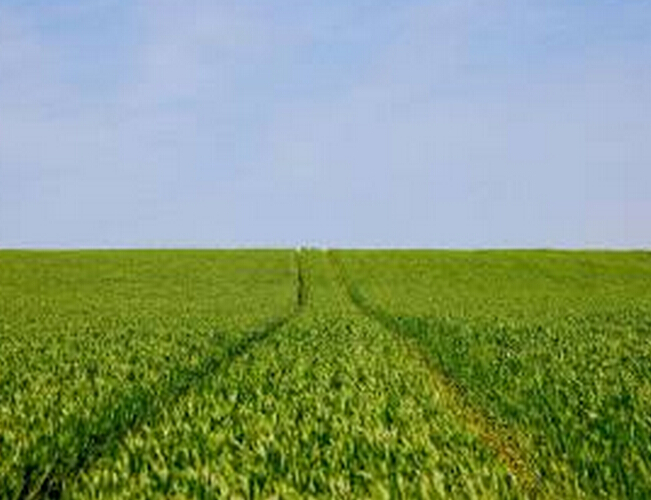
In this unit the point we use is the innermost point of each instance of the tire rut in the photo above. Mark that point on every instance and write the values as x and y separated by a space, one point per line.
53 462
496 437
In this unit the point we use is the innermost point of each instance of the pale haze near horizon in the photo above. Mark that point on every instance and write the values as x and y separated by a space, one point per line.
339 124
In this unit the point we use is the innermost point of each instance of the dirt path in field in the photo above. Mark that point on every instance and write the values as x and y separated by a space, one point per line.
502 441
51 466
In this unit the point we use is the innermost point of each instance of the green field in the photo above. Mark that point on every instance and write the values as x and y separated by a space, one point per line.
382 374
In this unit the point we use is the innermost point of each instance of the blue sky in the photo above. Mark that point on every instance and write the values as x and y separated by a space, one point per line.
449 123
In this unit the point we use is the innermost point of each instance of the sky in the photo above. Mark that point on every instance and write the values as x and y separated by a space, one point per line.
384 123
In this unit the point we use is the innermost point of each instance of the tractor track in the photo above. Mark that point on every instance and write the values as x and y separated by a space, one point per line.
92 437
496 437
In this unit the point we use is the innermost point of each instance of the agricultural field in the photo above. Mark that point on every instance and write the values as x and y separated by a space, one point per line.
340 374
